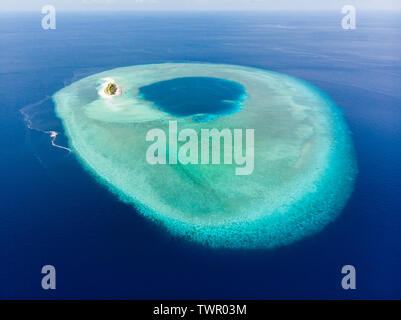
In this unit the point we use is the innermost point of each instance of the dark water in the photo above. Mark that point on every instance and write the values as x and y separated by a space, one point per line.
195 95
53 212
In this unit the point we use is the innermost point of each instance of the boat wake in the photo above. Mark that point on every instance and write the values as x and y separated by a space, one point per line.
38 117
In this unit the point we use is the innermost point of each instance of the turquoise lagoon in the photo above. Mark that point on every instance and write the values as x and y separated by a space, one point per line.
304 161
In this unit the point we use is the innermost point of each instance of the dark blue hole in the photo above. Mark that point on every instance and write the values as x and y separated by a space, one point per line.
204 97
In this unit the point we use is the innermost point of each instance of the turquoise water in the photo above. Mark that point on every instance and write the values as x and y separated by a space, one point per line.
202 96
304 165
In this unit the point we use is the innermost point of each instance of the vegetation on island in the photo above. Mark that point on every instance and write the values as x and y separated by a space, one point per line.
111 89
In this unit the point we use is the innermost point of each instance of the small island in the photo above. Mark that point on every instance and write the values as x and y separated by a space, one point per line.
110 89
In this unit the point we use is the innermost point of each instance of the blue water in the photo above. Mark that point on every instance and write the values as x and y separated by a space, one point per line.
53 212
195 95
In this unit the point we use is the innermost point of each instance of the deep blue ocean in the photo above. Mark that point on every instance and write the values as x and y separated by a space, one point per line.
53 212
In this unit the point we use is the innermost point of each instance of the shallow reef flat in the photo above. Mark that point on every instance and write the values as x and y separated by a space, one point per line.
304 164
